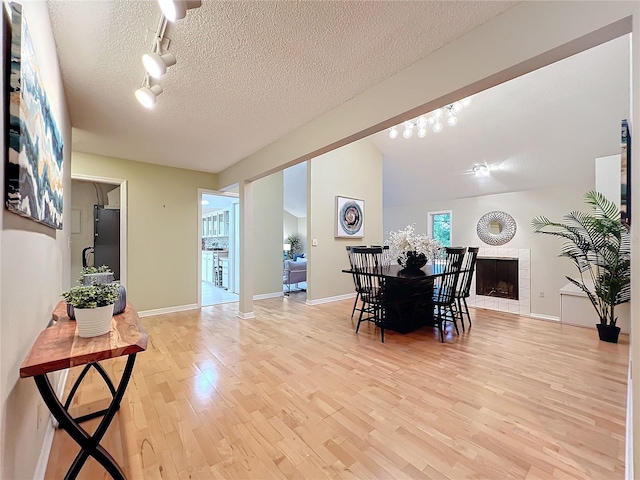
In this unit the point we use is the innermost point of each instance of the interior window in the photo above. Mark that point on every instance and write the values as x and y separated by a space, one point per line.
439 227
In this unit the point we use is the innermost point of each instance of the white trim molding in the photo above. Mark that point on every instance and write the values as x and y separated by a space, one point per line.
162 311
264 296
628 464
541 316
337 298
52 424
124 208
246 316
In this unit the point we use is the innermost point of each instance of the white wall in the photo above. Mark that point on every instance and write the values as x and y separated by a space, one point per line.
289 225
302 231
547 270
34 271
355 171
267 235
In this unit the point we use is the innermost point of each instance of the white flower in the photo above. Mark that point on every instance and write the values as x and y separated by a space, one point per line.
402 241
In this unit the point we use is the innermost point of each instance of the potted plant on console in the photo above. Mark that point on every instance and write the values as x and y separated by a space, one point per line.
93 307
599 245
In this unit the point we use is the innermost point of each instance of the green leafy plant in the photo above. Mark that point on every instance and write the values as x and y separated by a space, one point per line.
92 270
295 242
600 247
92 296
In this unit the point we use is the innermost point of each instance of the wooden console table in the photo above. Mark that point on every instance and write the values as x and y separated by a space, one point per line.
59 347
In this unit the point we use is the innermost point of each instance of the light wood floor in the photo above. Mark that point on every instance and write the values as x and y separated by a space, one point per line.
295 393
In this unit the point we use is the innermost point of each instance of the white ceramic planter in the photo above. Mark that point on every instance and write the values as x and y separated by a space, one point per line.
93 322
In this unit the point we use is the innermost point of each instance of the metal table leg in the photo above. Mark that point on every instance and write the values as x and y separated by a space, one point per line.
89 444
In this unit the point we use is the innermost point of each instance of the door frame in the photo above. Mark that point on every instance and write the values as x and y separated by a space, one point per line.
206 191
123 216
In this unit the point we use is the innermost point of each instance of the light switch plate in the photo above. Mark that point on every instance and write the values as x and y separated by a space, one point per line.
314 242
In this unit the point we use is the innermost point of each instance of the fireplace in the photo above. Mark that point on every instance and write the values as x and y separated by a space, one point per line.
497 277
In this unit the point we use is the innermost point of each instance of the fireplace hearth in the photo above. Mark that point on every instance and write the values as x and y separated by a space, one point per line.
497 277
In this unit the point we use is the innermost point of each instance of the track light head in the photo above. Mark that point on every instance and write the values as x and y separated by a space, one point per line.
177 9
156 65
147 95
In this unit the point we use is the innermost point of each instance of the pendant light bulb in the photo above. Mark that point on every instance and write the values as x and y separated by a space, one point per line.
156 65
437 128
177 9
422 132
147 95
452 121
393 133
407 132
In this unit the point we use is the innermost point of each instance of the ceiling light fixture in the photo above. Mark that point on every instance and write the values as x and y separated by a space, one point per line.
177 9
434 119
147 95
156 62
156 65
480 170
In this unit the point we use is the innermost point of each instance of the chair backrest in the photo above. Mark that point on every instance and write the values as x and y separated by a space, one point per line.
364 261
466 275
446 283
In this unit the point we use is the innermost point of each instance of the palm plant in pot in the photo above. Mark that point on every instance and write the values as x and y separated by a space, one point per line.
599 245
93 307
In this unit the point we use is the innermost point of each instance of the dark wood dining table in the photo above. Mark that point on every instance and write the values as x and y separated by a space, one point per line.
407 295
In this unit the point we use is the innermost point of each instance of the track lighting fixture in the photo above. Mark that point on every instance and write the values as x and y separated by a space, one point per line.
177 9
156 62
434 119
147 95
156 65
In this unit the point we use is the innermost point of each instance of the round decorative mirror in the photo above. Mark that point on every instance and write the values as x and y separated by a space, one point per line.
496 228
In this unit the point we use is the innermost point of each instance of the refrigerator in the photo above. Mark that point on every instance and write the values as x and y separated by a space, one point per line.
106 241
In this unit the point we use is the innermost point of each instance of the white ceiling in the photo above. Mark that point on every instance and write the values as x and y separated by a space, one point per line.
248 72
540 130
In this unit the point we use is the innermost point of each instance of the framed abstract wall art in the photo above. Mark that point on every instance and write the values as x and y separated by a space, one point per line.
349 217
625 174
34 166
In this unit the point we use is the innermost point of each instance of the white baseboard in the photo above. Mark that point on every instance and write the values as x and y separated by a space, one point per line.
544 317
264 296
162 311
628 464
246 316
337 298
47 442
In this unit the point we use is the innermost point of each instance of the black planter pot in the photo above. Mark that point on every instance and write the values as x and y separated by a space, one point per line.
415 261
608 333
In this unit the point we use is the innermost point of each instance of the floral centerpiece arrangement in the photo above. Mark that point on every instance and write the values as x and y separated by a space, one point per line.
412 249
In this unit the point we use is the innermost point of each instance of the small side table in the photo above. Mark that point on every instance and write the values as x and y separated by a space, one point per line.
57 348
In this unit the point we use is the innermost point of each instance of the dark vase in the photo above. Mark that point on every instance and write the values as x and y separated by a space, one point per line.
608 333
415 261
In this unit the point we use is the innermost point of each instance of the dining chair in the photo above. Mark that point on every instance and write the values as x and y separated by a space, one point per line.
464 284
355 282
444 289
370 285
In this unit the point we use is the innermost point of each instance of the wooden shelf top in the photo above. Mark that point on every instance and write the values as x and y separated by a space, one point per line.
59 347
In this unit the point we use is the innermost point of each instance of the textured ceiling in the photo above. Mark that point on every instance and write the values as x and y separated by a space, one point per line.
540 130
248 72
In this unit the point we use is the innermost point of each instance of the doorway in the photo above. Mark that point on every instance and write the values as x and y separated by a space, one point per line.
218 234
98 225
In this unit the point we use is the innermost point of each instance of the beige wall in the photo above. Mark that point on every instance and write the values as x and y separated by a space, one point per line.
351 171
267 230
302 231
289 225
34 271
162 248
547 270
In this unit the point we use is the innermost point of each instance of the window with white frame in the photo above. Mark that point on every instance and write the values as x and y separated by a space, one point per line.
439 226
